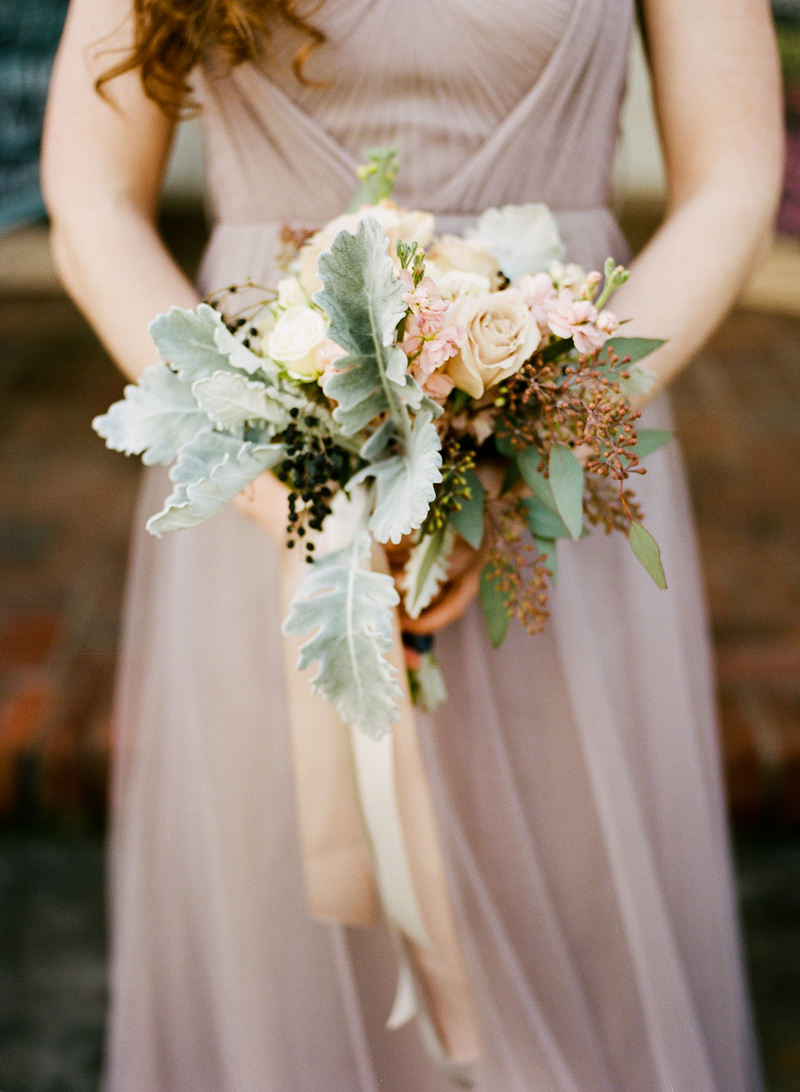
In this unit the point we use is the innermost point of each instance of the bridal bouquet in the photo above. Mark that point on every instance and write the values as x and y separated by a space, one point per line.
389 381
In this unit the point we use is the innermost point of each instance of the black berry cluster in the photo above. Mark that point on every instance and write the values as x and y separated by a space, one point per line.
312 463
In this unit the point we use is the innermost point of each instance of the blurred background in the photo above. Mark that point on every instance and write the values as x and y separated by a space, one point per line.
66 506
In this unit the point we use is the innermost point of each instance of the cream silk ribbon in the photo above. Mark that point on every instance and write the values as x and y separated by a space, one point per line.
369 838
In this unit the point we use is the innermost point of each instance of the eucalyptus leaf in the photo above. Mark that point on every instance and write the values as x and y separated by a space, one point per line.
211 470
510 478
231 399
468 520
504 447
364 300
547 548
539 485
157 416
650 440
637 348
647 551
494 607
426 570
405 483
544 523
566 483
350 608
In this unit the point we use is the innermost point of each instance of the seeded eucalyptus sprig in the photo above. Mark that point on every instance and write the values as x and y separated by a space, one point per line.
453 489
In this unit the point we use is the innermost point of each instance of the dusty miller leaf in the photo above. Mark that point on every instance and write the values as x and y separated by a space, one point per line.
197 343
350 608
405 483
426 570
209 473
230 399
364 300
155 418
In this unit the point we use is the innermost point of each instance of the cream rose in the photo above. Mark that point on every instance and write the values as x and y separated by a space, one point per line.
451 252
296 335
409 225
501 336
455 282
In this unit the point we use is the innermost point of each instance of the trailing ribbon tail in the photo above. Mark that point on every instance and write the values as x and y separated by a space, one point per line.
368 837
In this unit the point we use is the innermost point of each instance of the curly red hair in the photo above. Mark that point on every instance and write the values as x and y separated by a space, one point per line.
171 37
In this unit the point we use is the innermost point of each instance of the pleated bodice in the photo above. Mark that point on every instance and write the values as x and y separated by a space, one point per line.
488 102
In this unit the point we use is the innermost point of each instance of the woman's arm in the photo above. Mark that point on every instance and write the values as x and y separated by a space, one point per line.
102 167
718 97
716 82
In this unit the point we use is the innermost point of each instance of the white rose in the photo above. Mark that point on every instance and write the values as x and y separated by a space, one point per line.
523 238
291 294
501 336
298 331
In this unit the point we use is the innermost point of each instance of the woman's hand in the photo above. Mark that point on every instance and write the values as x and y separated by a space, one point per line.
265 500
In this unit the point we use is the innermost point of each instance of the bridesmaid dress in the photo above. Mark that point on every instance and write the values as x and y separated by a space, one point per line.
575 775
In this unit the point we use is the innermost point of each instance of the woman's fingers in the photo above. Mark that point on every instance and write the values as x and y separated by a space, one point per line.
265 501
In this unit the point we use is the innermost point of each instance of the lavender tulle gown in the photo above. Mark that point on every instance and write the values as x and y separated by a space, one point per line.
575 775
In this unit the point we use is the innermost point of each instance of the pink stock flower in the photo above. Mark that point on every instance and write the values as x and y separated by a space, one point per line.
536 290
327 353
568 317
437 350
437 385
430 349
424 296
608 322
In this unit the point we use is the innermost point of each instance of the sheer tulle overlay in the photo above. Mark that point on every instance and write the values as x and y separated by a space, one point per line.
575 775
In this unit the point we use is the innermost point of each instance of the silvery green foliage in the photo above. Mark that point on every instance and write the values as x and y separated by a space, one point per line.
230 399
364 300
155 418
405 483
211 470
524 238
198 343
350 608
417 598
